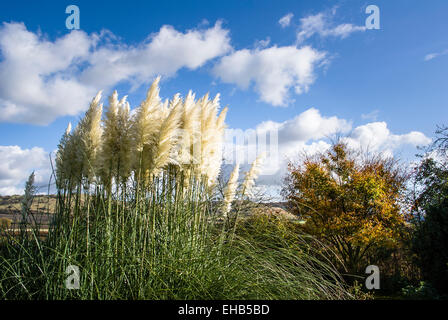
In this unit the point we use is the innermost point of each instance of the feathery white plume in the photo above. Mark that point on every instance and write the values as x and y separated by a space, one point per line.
229 192
252 175
69 129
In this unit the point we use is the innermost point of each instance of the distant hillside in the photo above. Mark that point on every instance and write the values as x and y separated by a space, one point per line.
12 204
10 208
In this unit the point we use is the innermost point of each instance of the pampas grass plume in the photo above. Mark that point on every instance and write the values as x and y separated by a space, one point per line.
230 191
252 175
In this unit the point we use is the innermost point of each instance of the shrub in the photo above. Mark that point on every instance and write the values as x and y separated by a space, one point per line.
423 290
5 223
430 207
348 200
431 246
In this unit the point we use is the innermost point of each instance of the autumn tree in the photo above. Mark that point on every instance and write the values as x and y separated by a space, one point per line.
430 209
348 199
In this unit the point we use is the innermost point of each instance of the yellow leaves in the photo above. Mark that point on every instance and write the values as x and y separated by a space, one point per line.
344 194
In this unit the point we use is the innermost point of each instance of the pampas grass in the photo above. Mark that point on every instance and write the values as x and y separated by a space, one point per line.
115 154
230 190
187 134
251 176
89 133
63 165
165 139
136 213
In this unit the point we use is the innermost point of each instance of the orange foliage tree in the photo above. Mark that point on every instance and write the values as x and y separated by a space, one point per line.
348 199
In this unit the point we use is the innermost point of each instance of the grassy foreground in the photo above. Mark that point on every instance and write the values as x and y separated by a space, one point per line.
168 245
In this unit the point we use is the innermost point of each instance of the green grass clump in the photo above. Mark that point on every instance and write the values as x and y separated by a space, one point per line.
161 242
137 212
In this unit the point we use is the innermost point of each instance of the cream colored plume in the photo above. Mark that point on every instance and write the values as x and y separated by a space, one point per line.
184 133
146 115
125 151
145 127
89 132
116 150
230 190
64 164
69 129
189 133
216 145
212 134
109 146
165 138
252 175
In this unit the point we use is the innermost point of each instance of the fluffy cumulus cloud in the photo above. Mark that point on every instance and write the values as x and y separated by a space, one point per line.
307 132
322 25
37 80
309 125
41 79
16 164
310 132
376 136
273 71
162 53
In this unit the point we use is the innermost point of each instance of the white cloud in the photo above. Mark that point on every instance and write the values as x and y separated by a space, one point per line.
376 136
163 53
434 55
309 132
285 20
282 138
41 79
322 25
309 125
273 71
37 81
16 164
306 132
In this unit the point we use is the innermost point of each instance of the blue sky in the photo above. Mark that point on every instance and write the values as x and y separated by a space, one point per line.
387 85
